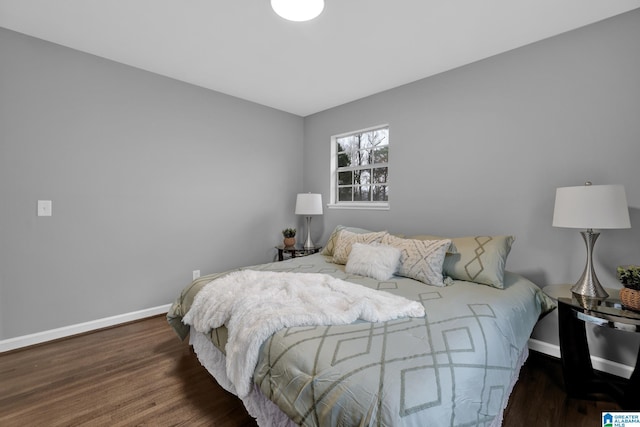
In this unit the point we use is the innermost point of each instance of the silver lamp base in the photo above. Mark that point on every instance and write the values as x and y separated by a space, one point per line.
588 285
308 244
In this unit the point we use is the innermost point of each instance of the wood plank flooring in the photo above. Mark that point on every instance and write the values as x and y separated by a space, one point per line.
142 374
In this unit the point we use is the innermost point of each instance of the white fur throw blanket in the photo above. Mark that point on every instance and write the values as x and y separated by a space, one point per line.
255 304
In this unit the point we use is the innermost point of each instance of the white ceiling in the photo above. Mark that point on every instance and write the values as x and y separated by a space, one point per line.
354 49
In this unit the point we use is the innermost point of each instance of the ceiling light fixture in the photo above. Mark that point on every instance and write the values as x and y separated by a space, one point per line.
298 10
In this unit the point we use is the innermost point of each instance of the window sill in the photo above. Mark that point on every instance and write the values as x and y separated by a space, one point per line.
360 206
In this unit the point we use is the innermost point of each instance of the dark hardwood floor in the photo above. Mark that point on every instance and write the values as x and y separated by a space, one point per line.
538 399
142 374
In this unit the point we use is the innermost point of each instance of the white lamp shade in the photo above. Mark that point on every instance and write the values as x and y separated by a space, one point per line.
591 207
298 10
309 204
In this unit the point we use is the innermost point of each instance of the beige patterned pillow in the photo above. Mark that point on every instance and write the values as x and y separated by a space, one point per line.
420 259
345 239
450 250
331 243
479 259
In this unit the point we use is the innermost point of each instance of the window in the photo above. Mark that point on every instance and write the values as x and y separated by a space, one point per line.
360 165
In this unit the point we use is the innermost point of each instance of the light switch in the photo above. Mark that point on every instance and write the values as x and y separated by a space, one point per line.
44 208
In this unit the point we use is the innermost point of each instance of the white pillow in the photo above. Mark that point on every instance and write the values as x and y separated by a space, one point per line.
420 259
376 260
346 239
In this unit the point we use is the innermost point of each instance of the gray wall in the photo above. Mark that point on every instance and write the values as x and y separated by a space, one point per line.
150 179
481 150
140 170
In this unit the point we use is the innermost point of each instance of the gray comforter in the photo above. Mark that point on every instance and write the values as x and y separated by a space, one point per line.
454 367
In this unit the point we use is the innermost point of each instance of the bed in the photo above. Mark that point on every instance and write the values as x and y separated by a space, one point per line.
453 366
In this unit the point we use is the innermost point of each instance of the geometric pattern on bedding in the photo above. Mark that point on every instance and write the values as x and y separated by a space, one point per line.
453 367
362 356
364 352
448 352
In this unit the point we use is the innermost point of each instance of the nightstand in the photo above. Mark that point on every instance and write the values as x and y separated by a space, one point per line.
580 379
295 252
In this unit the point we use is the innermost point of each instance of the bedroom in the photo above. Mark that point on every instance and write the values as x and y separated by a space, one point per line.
137 166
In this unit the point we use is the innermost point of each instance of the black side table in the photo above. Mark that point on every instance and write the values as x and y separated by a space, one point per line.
295 252
581 380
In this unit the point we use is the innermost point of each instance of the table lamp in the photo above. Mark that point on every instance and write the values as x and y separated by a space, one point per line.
309 204
591 207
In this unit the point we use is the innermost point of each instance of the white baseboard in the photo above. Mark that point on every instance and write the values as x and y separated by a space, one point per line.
553 350
67 331
598 363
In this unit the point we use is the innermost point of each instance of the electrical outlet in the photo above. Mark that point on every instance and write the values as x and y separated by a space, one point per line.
44 208
196 274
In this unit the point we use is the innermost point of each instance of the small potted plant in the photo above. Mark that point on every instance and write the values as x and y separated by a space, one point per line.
289 236
629 276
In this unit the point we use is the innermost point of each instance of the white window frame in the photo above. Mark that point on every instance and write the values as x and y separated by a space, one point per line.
334 203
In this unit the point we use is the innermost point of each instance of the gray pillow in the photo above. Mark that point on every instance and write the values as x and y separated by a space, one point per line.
479 259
